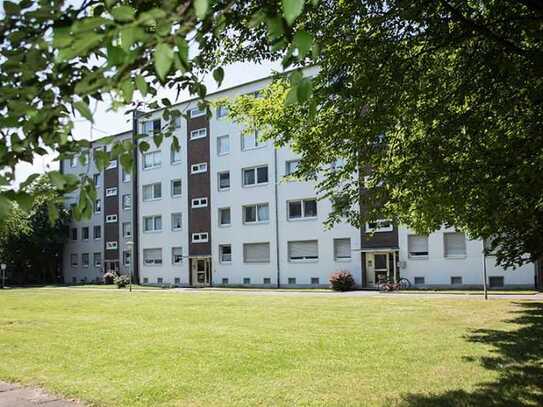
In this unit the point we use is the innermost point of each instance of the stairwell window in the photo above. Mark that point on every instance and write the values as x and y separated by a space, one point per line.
417 246
196 112
111 191
257 213
198 168
125 176
197 134
342 249
113 245
152 192
127 229
85 233
97 260
225 253
97 180
152 160
303 251
302 209
152 257
98 206
199 202
126 257
255 176
381 225
111 218
256 252
201 237
455 244
127 202
152 223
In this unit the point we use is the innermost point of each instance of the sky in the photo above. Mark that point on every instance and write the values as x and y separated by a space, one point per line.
107 122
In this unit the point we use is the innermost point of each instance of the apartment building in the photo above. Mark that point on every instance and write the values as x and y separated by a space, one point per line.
220 212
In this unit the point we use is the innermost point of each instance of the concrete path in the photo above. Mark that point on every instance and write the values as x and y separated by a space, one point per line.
12 395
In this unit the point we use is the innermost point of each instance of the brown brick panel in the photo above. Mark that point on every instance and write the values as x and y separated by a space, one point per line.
111 207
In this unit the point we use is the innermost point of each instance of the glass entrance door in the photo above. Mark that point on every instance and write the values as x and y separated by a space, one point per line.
201 272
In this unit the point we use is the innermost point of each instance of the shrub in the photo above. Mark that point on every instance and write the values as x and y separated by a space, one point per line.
109 277
122 281
342 281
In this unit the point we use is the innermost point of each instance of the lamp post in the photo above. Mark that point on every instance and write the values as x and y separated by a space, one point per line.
130 244
3 266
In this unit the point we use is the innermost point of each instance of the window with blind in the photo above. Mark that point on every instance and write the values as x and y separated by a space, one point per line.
455 244
303 250
256 252
342 249
417 246
152 256
177 255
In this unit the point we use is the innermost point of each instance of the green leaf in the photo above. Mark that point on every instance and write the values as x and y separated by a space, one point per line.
24 200
5 207
141 84
292 96
127 89
304 90
157 138
57 179
84 110
144 146
163 59
303 41
123 13
292 9
200 8
218 75
11 8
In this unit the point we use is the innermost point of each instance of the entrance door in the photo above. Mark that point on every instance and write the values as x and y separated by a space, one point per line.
112 266
377 266
201 272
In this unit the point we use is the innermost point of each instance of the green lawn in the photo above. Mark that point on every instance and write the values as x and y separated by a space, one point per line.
114 348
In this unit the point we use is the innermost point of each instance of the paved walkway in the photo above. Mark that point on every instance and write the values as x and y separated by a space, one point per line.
12 395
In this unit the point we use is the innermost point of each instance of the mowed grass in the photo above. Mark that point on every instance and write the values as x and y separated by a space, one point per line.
113 348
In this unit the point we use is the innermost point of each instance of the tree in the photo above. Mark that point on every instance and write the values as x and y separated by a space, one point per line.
57 59
435 108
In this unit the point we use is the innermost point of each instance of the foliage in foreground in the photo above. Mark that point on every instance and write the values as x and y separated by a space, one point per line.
342 281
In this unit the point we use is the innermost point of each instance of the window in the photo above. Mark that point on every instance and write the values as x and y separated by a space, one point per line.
152 257
496 282
307 250
291 280
176 188
152 223
198 168
176 221
225 281
97 180
315 281
111 218
201 237
98 206
151 160
342 249
177 255
417 246
97 260
419 281
127 202
73 260
74 234
303 208
126 257
381 225
199 202
225 253
125 176
291 166
256 252
112 164
73 161
224 217
223 145
255 176
152 192
267 280
127 229
177 281
97 231
196 112
85 233
222 111
111 191
456 280
224 180
258 213
246 280
199 133
111 245
455 244
145 280
147 127
249 141
175 155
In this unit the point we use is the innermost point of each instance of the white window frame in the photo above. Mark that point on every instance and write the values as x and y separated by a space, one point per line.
222 260
196 112
379 229
342 259
417 256
94 232
256 206
112 164
87 228
219 180
154 219
125 176
201 237
97 180
173 155
174 255
198 133
305 259
222 111
255 169
112 191
224 225
111 218
198 168
152 186
88 260
199 202
154 262
98 208
73 161
302 203
99 264
172 188
223 137
125 258
265 261
257 144
175 229
288 170
72 257
155 164
123 229
454 256
112 245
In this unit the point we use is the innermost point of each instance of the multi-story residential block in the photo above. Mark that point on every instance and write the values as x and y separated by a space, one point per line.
220 212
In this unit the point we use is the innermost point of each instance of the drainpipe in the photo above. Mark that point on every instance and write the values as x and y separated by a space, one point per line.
135 207
276 216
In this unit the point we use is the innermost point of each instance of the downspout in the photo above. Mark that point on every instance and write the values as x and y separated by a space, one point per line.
276 216
135 206
360 229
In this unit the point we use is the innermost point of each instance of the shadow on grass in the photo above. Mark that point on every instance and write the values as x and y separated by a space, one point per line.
518 360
